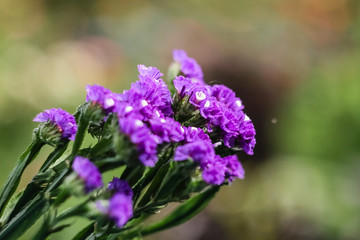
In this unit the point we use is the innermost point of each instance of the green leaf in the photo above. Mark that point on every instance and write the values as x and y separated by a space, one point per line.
179 171
83 123
14 178
155 185
56 154
83 234
184 212
132 174
25 219
37 185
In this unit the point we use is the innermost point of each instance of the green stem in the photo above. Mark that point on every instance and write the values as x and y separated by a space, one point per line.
50 226
82 126
14 178
25 219
149 176
56 154
184 212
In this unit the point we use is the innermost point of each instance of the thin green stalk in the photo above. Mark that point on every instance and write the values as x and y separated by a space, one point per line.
14 178
56 154
51 225
82 126
184 212
25 219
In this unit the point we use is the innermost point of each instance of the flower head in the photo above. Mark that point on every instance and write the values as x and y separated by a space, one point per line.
200 151
139 134
88 172
149 96
167 129
234 169
120 186
120 206
149 72
64 121
247 136
99 95
189 67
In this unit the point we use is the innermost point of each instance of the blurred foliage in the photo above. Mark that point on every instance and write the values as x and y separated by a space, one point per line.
294 63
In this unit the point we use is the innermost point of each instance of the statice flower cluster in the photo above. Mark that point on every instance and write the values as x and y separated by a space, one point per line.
146 116
161 145
62 120
200 149
120 206
88 172
222 110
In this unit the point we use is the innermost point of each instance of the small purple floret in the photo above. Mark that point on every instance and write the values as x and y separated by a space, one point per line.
99 95
149 72
234 169
64 121
88 172
120 208
189 66
120 186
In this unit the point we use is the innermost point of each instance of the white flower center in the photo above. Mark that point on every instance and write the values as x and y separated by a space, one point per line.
128 109
144 103
207 104
139 123
200 96
217 144
182 130
109 102
157 113
246 118
238 103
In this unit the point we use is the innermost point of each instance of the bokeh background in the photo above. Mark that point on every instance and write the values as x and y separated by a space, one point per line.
294 63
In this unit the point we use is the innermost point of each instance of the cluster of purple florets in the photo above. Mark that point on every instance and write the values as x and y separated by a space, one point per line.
222 110
120 206
146 115
64 121
88 172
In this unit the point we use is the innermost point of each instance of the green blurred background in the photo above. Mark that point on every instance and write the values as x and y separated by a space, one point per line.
294 63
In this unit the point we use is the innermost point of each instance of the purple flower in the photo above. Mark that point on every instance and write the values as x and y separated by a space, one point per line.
149 72
193 134
149 96
234 169
120 208
212 110
88 172
247 136
223 111
214 171
142 137
229 122
197 92
120 186
167 129
183 85
200 151
189 67
217 170
102 96
199 95
64 121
